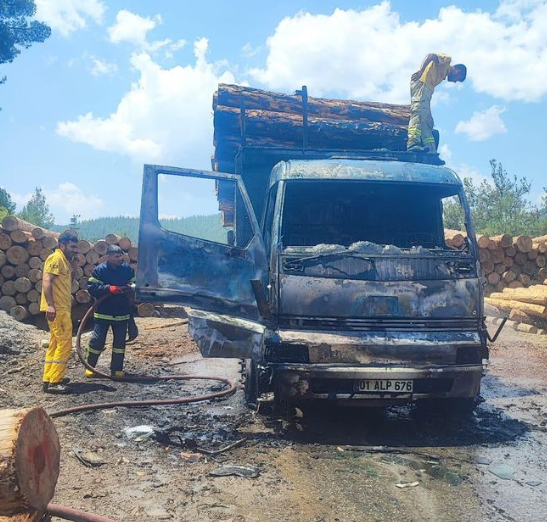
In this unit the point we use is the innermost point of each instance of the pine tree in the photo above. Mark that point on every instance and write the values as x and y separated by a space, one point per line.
36 211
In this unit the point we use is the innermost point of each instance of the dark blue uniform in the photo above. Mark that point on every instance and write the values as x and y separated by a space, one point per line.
114 312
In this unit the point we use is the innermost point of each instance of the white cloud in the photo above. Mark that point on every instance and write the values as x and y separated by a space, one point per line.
445 152
248 51
371 53
68 16
102 68
132 28
164 118
483 125
68 199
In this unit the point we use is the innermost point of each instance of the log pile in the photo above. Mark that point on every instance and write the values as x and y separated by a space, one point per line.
507 262
23 251
247 116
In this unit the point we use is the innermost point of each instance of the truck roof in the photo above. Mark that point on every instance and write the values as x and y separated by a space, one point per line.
363 169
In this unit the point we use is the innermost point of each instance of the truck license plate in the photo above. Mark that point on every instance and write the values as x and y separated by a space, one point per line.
384 386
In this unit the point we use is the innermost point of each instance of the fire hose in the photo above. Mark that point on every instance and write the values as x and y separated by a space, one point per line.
80 516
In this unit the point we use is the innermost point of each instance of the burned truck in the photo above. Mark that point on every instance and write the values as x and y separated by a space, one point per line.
334 281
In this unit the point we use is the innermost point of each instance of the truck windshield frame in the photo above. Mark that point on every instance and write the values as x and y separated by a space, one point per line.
319 215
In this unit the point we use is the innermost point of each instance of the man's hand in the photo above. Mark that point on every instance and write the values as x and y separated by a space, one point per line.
51 313
119 289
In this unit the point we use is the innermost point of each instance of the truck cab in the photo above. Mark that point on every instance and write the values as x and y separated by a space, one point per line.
335 282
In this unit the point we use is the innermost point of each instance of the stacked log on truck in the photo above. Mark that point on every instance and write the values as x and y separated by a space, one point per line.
24 248
253 117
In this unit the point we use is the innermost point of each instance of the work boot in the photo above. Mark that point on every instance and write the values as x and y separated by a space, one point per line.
91 375
417 148
118 374
59 389
45 385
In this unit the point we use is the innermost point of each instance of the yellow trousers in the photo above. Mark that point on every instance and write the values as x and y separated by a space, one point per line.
60 345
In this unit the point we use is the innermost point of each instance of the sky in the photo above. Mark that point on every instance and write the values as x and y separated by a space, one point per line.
122 83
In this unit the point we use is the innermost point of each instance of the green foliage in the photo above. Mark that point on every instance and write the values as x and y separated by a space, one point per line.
205 227
17 30
3 213
36 211
500 206
6 202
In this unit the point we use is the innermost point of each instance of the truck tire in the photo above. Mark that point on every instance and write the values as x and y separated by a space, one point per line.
251 383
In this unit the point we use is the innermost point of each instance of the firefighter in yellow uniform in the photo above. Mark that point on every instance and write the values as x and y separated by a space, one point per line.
56 302
434 69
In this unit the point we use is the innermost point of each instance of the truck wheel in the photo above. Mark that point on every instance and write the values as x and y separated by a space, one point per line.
251 383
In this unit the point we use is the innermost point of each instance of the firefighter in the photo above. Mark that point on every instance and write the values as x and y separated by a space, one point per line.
434 69
112 278
56 302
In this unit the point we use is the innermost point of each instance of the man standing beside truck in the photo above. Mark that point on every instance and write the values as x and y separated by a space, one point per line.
435 68
112 281
56 302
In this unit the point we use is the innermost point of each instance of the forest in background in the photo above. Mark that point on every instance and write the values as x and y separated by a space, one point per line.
205 227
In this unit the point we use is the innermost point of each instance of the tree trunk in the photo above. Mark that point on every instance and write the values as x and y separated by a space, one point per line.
503 240
83 246
112 239
8 271
34 275
100 247
49 242
236 95
22 284
508 305
523 244
125 243
22 270
17 255
5 241
83 296
7 302
483 240
146 310
20 237
19 313
34 247
29 461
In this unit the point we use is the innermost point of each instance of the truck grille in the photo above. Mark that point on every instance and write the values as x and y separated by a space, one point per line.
379 324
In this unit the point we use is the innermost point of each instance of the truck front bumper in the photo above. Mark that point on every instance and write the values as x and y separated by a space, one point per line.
301 382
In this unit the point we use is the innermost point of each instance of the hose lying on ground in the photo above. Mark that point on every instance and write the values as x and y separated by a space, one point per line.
232 387
75 515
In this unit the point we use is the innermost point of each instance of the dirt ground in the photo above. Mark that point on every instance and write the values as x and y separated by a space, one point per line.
326 465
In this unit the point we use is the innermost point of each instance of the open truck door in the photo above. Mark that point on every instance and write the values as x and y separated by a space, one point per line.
221 281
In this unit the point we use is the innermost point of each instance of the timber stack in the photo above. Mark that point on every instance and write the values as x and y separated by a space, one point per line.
24 248
244 116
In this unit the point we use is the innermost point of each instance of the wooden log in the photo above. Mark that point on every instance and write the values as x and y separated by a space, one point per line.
125 243
499 268
530 268
492 245
50 243
45 253
503 240
7 302
17 255
88 269
508 295
523 244
20 237
92 257
82 282
8 271
541 261
22 270
484 255
542 274
456 237
21 299
78 273
80 260
11 223
38 286
497 255
133 254
33 296
532 255
236 95
8 288
527 328
508 262
515 284
35 262
34 275
83 247
508 305
100 247
112 239
510 251
540 247
23 284
5 241
487 267
524 279
75 286
483 240
146 310
34 308
493 278
509 276
29 464
2 258
34 248
83 296
322 133
2 280
520 258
